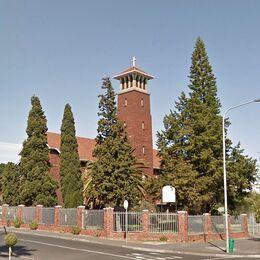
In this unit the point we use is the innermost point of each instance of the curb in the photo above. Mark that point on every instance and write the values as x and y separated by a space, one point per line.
189 253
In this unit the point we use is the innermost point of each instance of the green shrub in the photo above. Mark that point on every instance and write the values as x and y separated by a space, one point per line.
163 238
33 225
75 230
10 239
18 222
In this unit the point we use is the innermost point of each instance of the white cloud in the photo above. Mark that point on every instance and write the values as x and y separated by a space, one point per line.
9 152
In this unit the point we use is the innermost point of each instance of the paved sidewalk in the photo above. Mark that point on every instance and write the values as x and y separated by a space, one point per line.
249 248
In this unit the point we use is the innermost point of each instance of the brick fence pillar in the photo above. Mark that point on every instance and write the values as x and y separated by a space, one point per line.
244 224
80 216
183 225
207 223
38 213
57 215
108 221
145 222
20 212
5 212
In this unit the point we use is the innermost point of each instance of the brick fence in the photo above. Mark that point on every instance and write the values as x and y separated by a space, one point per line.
186 228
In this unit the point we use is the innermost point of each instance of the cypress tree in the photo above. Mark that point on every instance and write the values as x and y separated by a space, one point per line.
37 186
115 176
10 184
71 182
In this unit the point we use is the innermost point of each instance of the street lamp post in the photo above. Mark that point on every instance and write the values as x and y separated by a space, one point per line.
224 167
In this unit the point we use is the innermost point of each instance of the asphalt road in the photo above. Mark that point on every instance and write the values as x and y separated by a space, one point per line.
33 247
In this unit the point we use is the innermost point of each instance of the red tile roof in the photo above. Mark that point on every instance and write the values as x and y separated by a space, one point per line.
86 147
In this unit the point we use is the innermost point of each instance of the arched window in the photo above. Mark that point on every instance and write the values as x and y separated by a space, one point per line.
142 102
143 125
125 102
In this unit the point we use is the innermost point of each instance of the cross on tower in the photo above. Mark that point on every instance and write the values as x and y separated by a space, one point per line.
134 60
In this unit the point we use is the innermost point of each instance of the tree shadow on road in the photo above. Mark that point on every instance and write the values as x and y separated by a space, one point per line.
18 250
254 238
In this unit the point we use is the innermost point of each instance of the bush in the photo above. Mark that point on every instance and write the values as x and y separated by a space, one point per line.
10 239
163 238
18 222
33 225
75 230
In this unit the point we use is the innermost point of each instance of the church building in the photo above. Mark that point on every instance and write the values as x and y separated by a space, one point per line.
134 111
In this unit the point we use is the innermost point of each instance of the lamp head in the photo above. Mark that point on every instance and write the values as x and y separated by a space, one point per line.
257 100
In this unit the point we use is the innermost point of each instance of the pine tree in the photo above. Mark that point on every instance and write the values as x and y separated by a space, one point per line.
192 136
205 147
71 182
190 147
37 186
10 184
115 176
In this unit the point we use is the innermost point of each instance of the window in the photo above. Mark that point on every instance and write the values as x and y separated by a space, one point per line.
143 125
143 150
125 102
142 102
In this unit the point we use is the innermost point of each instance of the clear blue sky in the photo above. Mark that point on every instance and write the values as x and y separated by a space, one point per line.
59 50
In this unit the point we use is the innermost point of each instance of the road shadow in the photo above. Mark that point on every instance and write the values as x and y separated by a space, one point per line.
254 239
17 250
216 246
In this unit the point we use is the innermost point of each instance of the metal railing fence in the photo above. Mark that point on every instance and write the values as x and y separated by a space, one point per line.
11 213
196 224
235 224
29 214
253 225
47 216
218 224
68 217
94 219
163 223
134 221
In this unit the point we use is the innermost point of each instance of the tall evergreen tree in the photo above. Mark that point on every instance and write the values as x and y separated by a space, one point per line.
37 186
115 176
10 184
71 182
192 137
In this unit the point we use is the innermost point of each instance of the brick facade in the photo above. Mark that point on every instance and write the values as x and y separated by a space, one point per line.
134 111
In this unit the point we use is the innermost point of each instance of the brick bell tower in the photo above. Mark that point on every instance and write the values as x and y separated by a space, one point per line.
134 111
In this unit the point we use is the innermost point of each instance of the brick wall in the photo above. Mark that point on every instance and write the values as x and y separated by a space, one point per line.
107 231
134 110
